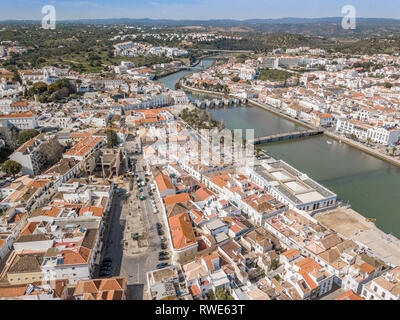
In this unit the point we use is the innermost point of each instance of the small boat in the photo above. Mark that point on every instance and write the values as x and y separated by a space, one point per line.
329 142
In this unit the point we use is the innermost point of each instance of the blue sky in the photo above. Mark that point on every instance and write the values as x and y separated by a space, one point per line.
196 9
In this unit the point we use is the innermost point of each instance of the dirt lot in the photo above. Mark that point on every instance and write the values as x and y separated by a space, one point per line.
343 221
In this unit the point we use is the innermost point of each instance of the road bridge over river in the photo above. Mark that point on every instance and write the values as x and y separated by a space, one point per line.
285 136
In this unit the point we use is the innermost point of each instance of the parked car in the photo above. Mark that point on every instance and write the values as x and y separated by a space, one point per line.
163 246
161 258
107 260
105 273
162 265
160 232
163 253
159 225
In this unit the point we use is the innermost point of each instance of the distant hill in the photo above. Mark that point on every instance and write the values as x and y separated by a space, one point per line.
217 22
329 27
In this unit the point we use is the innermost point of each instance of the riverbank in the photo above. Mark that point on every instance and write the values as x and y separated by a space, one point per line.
166 73
363 148
332 135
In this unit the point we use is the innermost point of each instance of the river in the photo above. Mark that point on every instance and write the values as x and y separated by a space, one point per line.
371 186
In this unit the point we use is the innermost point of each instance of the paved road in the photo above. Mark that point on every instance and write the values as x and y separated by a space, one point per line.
134 268
114 239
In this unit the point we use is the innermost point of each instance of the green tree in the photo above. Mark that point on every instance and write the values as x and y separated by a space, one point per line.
222 294
17 76
26 135
388 85
274 264
11 167
68 144
211 295
112 140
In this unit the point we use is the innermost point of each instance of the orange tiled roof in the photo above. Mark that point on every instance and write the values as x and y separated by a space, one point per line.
39 183
84 146
308 265
164 182
204 194
82 134
97 211
17 115
177 198
182 232
290 253
194 290
20 104
76 256
29 228
221 180
53 212
101 289
367 268
235 228
349 295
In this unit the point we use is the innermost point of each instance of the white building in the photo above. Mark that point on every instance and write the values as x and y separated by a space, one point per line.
385 287
21 120
291 187
376 134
